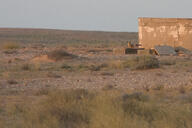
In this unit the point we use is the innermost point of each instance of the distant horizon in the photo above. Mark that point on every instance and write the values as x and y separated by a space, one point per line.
88 15
66 29
91 30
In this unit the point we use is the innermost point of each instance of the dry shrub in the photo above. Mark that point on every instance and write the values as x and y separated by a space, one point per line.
135 63
67 67
142 62
107 74
182 89
159 87
97 67
91 67
108 87
42 91
58 55
146 88
53 75
12 81
26 67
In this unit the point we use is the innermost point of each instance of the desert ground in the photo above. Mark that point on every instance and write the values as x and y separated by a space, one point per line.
36 63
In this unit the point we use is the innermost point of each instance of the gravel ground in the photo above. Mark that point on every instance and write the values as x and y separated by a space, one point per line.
123 79
169 78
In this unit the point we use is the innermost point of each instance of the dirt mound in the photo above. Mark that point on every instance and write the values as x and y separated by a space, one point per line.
43 58
54 56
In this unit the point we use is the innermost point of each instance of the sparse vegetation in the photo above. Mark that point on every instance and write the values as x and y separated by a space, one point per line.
40 89
136 63
89 109
10 45
143 62
168 62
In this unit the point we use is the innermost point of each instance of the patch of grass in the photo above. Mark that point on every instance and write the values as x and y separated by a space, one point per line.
167 62
116 64
10 45
10 51
142 62
136 63
68 109
42 91
82 67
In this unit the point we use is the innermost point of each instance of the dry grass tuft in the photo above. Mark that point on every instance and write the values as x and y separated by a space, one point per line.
89 109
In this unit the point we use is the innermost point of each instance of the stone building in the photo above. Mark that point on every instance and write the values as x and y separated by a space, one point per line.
165 31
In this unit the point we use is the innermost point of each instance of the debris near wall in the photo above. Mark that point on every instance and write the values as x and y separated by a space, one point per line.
181 51
164 50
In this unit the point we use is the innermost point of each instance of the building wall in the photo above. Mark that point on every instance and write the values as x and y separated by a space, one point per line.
165 31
